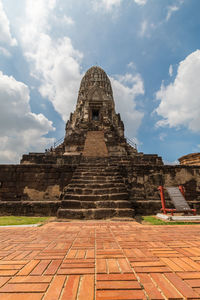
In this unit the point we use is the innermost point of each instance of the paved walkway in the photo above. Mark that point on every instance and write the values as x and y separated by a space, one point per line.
100 260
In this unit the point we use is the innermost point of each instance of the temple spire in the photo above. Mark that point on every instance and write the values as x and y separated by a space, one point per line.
95 111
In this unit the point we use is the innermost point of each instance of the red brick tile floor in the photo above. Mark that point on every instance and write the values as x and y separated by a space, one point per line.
100 260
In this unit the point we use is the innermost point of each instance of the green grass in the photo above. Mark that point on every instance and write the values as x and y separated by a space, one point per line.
154 221
21 220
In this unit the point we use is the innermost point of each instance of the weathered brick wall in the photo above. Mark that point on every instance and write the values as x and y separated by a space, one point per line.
143 182
32 188
35 189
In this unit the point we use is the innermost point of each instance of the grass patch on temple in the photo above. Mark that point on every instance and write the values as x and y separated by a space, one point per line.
21 220
151 220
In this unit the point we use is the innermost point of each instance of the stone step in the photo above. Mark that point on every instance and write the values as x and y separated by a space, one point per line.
95 145
117 196
99 169
101 191
100 213
94 165
96 191
96 181
69 204
95 185
95 162
97 177
95 173
105 160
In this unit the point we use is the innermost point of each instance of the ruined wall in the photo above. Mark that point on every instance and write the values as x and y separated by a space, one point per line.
35 189
32 189
143 182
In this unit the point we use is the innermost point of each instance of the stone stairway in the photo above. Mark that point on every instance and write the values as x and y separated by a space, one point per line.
96 191
95 145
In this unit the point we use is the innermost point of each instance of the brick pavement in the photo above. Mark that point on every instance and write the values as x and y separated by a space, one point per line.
100 260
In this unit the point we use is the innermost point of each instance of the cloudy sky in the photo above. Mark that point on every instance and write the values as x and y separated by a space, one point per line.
148 48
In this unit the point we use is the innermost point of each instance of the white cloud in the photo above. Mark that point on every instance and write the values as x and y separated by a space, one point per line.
110 4
67 20
106 4
5 34
20 129
171 10
54 62
4 51
162 136
140 2
171 163
143 28
170 70
62 20
180 100
131 65
125 90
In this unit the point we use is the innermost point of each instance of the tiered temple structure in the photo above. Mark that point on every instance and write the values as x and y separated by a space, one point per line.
95 118
94 173
192 159
94 129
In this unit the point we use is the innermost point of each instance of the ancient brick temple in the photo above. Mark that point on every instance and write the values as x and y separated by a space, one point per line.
94 129
94 173
192 159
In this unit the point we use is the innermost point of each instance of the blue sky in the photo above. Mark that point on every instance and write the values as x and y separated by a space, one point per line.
148 48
